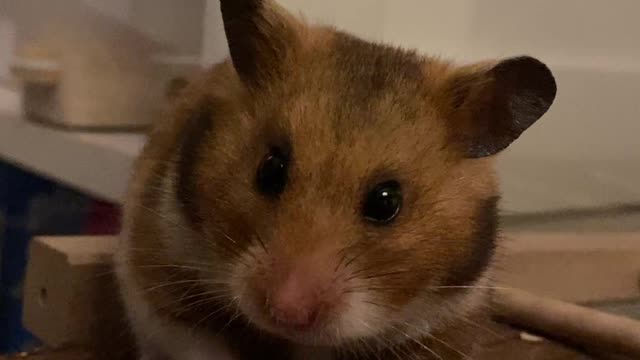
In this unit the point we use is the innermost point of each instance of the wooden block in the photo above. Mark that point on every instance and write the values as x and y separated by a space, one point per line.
575 267
583 327
68 284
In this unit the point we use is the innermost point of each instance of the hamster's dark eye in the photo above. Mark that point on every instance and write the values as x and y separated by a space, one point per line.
272 173
382 204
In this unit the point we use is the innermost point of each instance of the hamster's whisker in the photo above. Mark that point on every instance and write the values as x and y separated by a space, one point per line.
204 267
182 227
358 255
180 282
400 257
230 245
161 261
350 350
422 290
234 252
161 254
435 338
177 308
163 217
148 250
343 255
372 268
365 288
202 302
203 293
481 327
237 249
386 306
236 315
212 314
261 242
389 345
417 342
215 245
387 274
368 347
187 291
469 287
174 266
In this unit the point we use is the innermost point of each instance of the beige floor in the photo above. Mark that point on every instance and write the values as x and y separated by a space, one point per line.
615 219
605 220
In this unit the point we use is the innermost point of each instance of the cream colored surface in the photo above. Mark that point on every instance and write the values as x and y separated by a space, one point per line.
98 164
583 268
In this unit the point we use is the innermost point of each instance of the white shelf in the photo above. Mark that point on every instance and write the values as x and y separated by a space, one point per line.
98 164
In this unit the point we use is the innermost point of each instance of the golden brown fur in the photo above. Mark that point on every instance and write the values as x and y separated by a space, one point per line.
205 249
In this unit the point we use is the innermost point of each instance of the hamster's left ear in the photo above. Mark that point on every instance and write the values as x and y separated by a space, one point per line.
261 35
488 107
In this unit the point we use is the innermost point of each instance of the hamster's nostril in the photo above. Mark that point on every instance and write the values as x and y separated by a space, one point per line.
294 304
295 317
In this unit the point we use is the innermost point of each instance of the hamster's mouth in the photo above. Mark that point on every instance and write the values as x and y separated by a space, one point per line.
317 336
334 324
307 303
320 330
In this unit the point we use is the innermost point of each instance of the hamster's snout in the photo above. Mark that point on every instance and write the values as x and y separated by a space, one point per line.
299 299
294 303
308 292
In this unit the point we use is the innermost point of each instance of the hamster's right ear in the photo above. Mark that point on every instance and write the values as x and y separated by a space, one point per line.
491 106
261 36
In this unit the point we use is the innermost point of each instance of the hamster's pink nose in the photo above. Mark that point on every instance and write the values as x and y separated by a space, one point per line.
294 304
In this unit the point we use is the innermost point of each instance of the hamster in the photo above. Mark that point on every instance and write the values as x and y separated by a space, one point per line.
318 196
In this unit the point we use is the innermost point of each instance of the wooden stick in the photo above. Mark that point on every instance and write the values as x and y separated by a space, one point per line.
578 325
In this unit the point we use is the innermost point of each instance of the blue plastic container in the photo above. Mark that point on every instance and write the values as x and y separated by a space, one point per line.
17 188
29 206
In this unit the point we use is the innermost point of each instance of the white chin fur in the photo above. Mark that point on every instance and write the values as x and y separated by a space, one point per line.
424 316
362 318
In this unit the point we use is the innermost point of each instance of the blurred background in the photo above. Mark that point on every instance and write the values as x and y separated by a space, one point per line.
81 80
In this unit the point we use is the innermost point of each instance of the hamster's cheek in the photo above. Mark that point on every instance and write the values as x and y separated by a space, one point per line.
363 316
245 282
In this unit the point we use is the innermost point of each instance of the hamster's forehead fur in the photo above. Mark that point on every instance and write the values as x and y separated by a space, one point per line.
346 85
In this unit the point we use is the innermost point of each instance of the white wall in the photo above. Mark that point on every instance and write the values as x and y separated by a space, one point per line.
176 24
7 38
214 43
179 24
119 9
585 152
